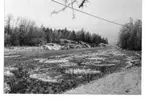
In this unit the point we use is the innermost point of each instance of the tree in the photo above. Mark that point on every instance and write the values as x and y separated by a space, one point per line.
72 35
71 3
26 33
7 39
88 37
80 35
8 21
131 36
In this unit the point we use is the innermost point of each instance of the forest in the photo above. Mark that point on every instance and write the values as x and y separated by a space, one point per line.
23 32
130 36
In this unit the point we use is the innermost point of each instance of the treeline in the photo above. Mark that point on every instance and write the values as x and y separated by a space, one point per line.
22 32
131 35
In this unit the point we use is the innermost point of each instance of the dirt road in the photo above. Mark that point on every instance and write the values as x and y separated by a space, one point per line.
124 82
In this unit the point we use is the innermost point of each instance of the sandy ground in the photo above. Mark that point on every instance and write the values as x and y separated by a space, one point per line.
127 81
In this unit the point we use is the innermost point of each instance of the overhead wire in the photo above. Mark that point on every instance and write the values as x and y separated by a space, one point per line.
87 13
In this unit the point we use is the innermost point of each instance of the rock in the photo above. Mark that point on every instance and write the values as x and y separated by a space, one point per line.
70 44
85 45
66 41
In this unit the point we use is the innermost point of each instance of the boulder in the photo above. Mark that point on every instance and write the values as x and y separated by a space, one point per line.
85 45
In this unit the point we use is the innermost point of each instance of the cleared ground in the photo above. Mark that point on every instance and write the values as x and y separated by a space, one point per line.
124 82
33 70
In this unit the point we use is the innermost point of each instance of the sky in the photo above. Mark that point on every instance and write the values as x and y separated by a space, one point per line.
39 11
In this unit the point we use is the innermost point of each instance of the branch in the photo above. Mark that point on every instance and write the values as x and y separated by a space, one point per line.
71 3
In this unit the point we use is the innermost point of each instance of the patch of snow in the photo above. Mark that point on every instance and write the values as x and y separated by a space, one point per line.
104 65
67 64
131 61
43 60
116 53
9 53
8 73
96 58
81 71
91 63
115 61
11 56
10 68
6 88
51 46
44 77
56 61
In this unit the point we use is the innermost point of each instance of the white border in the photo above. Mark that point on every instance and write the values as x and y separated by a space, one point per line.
1 43
143 47
24 96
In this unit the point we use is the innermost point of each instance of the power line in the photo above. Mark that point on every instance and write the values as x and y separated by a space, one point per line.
87 13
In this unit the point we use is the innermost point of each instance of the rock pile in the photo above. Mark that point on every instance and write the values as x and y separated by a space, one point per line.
51 46
66 44
69 44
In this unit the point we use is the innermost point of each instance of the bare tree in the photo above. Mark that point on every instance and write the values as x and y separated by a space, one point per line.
71 3
8 20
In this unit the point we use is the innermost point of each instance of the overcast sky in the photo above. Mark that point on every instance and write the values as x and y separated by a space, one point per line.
116 10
